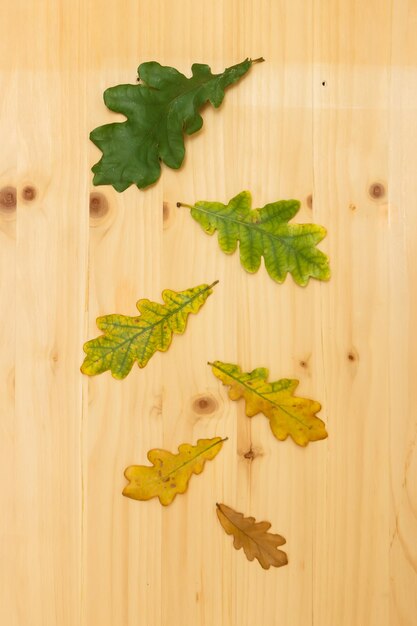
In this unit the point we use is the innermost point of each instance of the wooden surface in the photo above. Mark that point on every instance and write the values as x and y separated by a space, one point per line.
331 113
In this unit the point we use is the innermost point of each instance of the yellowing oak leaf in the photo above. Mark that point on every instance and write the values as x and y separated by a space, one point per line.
287 414
170 473
253 537
129 339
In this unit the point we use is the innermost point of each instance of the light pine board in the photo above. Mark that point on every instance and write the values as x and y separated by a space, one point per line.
331 113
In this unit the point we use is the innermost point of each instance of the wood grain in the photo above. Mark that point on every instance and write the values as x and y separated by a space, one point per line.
331 119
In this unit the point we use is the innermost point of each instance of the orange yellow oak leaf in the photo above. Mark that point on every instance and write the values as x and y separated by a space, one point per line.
169 473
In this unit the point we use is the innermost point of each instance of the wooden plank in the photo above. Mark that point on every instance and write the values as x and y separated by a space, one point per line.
350 140
10 530
403 309
272 114
51 257
123 538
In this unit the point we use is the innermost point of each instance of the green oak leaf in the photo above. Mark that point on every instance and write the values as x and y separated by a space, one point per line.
129 339
159 111
266 233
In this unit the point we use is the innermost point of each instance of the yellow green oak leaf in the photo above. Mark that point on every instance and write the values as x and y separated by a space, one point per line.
287 414
170 473
159 110
128 339
286 248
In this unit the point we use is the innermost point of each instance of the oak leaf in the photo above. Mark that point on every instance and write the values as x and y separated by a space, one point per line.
266 233
170 473
128 339
159 110
287 414
253 537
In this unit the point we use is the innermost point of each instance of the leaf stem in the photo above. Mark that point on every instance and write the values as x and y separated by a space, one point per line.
259 60
188 206
213 284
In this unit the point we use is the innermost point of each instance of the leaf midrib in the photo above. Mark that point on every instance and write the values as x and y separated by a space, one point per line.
177 469
279 406
255 226
167 105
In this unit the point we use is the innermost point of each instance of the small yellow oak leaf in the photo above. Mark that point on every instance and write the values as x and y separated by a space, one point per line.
169 473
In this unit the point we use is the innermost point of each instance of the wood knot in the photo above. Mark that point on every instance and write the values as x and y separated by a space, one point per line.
252 453
309 201
377 191
156 410
28 193
352 356
205 405
303 364
165 211
168 215
99 206
8 200
54 356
